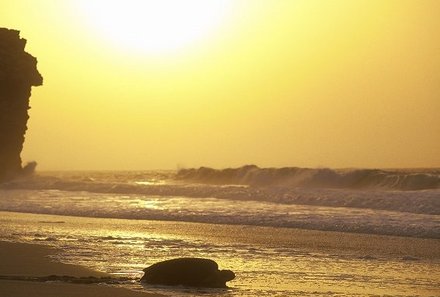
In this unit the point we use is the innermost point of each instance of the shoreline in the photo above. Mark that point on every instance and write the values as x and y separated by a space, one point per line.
317 253
32 260
313 240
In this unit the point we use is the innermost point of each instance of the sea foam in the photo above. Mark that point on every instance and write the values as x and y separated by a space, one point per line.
365 189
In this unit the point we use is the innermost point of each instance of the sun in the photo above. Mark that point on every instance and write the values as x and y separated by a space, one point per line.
154 26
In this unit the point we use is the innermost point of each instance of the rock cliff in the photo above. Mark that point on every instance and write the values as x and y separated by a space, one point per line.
18 73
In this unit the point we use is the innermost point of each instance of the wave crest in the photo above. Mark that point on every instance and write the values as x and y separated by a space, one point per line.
253 175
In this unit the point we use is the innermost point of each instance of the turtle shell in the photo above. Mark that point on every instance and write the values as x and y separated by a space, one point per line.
194 272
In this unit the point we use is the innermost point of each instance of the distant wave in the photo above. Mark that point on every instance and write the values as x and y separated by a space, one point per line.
186 183
314 178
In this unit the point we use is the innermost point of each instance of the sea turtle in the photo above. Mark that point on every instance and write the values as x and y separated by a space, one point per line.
193 272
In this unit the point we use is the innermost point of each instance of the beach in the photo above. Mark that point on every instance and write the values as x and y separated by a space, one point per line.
268 261
31 260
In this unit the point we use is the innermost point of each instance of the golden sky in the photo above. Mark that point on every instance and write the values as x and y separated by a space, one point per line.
268 82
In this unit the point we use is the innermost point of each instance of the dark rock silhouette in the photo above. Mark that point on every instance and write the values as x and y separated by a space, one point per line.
18 73
192 272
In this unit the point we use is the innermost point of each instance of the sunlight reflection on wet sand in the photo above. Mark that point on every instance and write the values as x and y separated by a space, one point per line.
268 261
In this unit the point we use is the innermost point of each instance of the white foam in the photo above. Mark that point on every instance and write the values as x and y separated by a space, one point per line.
222 211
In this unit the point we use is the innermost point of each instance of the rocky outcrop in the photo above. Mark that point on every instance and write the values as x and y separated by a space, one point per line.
192 272
18 73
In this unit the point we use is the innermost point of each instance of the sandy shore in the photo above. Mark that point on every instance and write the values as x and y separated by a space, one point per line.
339 262
18 259
311 240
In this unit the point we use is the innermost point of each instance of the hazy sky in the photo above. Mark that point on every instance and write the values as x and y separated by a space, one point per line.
142 85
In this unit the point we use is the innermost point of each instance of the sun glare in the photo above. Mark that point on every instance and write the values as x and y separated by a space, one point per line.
154 26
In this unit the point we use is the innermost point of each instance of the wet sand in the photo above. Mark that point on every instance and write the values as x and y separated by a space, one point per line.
316 261
30 260
310 240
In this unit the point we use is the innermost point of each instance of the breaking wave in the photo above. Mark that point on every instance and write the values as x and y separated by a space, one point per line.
314 178
402 191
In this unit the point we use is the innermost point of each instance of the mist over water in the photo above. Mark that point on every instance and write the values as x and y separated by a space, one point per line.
286 197
316 178
363 188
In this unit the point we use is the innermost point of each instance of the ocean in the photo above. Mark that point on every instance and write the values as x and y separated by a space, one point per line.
275 228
